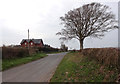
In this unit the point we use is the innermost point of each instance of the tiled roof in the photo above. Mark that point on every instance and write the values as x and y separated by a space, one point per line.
36 41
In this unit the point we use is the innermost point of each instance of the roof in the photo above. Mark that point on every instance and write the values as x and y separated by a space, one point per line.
36 41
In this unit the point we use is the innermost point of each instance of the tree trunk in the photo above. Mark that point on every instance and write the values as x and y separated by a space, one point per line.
81 44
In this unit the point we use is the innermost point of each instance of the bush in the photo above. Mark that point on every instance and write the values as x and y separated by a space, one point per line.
8 53
47 49
106 56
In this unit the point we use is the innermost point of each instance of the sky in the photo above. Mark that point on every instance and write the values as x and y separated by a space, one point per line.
42 18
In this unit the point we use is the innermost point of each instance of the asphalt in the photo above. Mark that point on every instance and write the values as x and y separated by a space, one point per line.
37 71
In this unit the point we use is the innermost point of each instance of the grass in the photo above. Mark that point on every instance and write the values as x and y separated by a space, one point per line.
8 63
54 52
77 68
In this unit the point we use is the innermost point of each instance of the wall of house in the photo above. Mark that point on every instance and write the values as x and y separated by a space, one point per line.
31 44
39 45
24 45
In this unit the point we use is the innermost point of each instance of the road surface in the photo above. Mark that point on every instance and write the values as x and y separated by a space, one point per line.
37 71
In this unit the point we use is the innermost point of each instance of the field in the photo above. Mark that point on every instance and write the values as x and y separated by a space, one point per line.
88 65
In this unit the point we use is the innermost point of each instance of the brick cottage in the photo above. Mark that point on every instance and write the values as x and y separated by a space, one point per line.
32 43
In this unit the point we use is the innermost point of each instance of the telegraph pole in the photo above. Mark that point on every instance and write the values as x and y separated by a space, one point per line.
28 38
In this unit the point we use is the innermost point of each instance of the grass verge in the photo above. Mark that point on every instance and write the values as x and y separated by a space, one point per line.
77 68
8 63
53 52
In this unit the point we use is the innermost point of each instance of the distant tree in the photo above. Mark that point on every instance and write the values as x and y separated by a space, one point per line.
90 20
63 47
3 45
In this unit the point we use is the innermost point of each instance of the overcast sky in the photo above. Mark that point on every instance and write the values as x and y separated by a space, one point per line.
41 17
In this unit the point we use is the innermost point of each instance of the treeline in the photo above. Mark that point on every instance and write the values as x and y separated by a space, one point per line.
48 49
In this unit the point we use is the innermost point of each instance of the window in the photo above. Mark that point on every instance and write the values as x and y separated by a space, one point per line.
31 43
25 43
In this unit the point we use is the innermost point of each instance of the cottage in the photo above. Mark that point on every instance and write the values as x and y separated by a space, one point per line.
32 43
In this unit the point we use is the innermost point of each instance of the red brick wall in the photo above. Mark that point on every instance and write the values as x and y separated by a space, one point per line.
23 44
39 45
33 45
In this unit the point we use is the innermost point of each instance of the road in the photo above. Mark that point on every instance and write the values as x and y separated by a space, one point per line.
37 71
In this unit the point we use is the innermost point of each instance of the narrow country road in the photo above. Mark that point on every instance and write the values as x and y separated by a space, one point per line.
37 71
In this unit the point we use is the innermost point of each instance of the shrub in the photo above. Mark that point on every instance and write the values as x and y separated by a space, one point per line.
49 49
8 53
106 56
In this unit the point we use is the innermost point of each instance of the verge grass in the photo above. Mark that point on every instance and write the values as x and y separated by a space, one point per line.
53 52
77 68
8 63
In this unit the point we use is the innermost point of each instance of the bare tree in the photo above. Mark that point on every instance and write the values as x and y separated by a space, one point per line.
89 20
